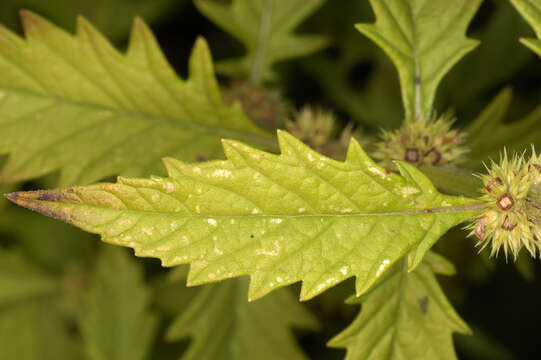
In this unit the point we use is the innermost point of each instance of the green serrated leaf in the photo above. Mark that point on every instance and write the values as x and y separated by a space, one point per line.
75 104
406 316
531 12
21 280
424 39
224 326
298 216
489 133
117 323
36 330
265 27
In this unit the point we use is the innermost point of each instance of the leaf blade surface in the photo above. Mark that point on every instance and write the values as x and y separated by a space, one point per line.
297 216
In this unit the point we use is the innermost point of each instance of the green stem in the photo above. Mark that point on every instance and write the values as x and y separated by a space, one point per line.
256 75
453 180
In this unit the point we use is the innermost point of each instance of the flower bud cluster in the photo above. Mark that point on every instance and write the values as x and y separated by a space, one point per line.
313 126
512 219
428 141
316 127
266 107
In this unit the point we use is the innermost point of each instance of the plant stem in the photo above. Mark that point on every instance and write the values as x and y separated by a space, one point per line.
453 180
264 30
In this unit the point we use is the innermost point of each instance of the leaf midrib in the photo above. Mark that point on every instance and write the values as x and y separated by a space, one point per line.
182 124
478 206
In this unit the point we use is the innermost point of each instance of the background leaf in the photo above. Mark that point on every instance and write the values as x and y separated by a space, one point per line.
265 27
35 330
405 316
223 325
424 39
490 132
21 280
73 103
494 64
531 11
117 323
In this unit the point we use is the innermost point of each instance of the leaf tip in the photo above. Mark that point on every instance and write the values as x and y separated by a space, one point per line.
139 23
37 201
12 196
201 44
30 20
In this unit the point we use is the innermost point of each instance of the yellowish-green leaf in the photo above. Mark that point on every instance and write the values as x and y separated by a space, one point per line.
76 104
265 27
424 39
297 216
531 11
117 324
405 316
223 325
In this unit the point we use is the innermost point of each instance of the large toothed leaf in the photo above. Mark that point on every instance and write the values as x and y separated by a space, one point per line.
223 325
76 104
531 11
117 323
406 316
265 27
298 216
424 39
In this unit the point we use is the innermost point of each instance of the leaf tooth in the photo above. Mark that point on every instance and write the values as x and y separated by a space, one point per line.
201 69
140 37
173 167
145 50
34 25
240 154
356 154
236 151
311 289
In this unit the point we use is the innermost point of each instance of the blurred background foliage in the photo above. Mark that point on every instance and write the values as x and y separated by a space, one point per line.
56 301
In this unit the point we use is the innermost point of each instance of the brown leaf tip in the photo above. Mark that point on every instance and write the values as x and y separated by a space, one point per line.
12 197
37 201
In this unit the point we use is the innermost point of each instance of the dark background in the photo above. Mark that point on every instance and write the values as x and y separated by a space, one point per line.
501 301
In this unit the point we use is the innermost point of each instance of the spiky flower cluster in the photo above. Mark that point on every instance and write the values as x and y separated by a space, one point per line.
425 141
513 215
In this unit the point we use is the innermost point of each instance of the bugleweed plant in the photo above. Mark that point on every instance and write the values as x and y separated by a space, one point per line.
262 189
